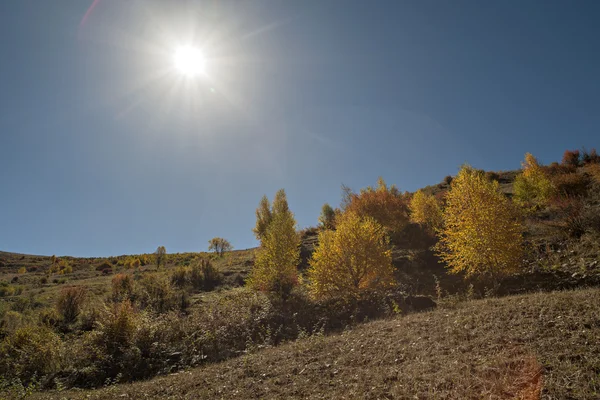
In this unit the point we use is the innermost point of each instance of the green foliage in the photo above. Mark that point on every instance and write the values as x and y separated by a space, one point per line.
275 267
327 217
351 260
155 292
70 302
219 246
31 351
482 234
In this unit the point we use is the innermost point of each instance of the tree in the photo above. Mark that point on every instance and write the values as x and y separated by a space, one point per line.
327 217
219 245
353 258
385 204
482 234
161 255
275 265
425 210
532 187
263 218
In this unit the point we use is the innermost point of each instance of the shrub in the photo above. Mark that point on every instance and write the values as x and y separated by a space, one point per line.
211 275
571 158
590 157
571 184
353 258
22 270
448 180
135 263
219 246
30 352
122 287
180 277
70 302
104 265
482 232
384 204
275 267
155 292
492 176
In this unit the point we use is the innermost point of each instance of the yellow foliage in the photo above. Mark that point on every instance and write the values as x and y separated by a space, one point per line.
22 270
425 210
351 259
482 232
532 187
275 266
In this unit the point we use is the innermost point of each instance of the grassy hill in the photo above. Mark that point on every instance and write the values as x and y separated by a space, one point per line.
506 348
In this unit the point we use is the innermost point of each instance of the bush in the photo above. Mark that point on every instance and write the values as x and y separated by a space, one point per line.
104 265
30 352
353 258
155 292
571 184
492 176
181 277
70 302
571 158
327 217
448 180
590 157
122 287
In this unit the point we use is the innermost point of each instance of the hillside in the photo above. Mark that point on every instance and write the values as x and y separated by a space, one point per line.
493 348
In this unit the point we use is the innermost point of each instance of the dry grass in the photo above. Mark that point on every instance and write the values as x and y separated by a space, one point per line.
521 347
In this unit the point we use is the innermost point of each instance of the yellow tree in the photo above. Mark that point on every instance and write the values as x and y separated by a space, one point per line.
425 210
532 187
482 232
275 265
353 258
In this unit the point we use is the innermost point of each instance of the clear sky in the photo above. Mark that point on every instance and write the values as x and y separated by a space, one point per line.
107 149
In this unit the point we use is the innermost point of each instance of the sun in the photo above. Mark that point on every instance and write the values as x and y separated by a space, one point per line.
189 61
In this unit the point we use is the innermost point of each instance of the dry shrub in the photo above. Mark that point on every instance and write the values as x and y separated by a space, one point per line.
156 292
180 277
571 184
571 158
122 287
70 302
204 275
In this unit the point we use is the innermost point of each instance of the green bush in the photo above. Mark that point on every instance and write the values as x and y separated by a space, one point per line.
30 352
70 302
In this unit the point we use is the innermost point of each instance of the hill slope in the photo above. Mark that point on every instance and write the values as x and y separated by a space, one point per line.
503 348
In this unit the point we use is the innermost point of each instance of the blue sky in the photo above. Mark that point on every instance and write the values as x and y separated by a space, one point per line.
105 149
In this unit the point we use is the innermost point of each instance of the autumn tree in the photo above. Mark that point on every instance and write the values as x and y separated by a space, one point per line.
532 187
571 158
219 245
161 256
482 234
263 218
425 210
385 204
275 265
353 258
327 217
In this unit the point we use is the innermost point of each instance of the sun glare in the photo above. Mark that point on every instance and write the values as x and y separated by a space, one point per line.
189 61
